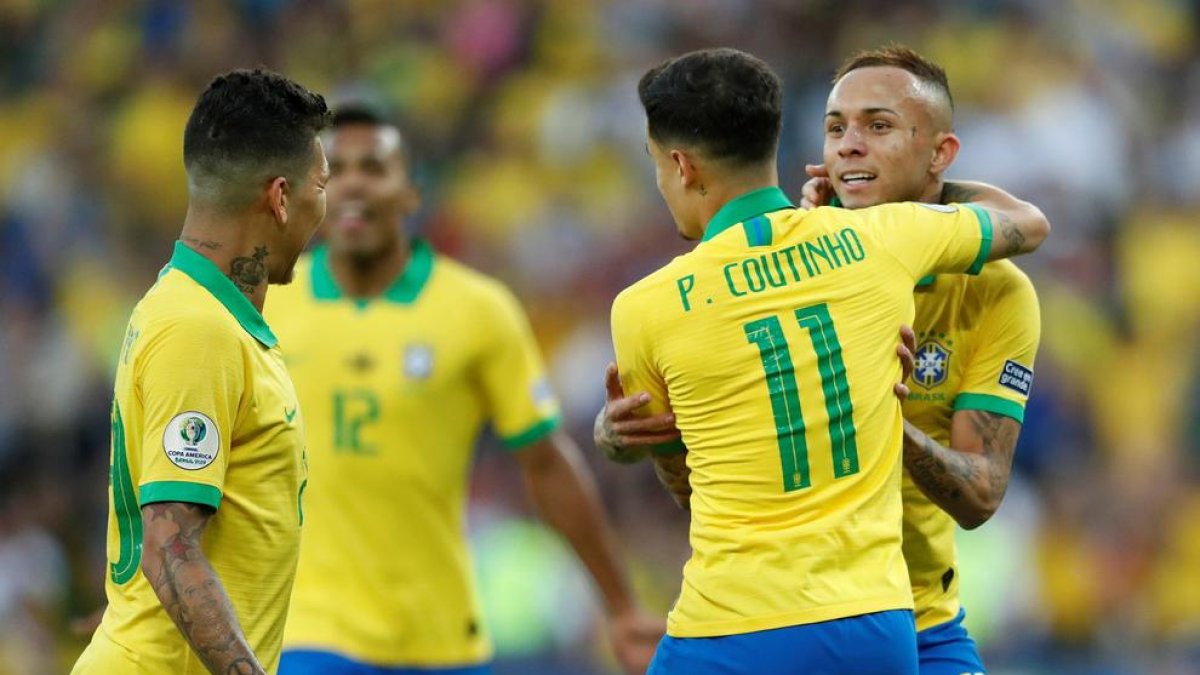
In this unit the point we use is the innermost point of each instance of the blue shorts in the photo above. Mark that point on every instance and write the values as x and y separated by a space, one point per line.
883 643
311 662
946 649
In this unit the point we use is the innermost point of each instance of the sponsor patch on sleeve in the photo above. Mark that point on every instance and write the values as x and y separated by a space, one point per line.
1016 377
191 440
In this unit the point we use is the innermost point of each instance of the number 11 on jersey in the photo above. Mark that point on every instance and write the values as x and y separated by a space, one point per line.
767 335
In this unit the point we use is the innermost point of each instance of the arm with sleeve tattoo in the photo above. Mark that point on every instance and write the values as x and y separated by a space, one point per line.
673 473
189 589
968 479
1019 227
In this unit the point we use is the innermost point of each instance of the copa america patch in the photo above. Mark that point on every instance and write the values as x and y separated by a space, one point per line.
1016 377
191 440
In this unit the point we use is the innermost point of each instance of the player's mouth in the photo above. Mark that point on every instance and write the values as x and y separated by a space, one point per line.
351 216
852 180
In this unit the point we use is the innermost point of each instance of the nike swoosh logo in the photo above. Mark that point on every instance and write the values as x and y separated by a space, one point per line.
289 414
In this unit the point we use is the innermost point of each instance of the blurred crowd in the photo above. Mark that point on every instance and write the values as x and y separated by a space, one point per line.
528 144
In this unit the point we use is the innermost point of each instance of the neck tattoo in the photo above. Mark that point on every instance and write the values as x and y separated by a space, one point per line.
248 273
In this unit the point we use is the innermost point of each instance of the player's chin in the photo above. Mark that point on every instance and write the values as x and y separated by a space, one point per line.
284 278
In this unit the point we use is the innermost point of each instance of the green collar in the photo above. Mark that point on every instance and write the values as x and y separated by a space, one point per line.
926 281
204 272
404 290
745 207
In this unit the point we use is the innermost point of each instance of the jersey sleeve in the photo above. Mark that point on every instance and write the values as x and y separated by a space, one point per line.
636 364
933 238
191 376
999 376
519 400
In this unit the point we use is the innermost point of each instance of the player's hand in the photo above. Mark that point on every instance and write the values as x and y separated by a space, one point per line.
818 191
635 635
905 350
624 436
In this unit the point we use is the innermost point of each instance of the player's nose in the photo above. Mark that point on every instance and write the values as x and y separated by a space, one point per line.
851 144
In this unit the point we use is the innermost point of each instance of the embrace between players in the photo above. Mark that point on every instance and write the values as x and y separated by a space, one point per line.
762 371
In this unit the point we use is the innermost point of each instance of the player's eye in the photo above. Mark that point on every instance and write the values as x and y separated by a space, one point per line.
880 125
835 129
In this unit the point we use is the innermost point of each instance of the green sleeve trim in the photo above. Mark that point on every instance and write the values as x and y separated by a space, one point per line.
675 447
533 434
180 491
992 404
985 242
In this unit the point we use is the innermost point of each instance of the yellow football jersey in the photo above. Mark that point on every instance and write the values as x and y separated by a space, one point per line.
774 343
977 337
397 390
203 412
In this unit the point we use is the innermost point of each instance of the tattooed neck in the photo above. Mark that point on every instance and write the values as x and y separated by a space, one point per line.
248 273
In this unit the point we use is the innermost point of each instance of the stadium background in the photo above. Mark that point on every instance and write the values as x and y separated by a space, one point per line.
528 140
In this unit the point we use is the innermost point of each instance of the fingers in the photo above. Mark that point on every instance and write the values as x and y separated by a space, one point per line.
909 338
816 192
901 391
907 362
654 423
619 409
612 383
816 170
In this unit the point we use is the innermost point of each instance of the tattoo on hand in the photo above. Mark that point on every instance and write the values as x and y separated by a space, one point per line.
1011 234
248 273
202 243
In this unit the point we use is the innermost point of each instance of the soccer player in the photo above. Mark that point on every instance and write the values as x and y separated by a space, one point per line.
400 355
979 337
771 344
207 440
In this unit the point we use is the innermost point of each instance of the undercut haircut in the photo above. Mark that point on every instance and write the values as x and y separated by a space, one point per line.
249 127
724 102
904 58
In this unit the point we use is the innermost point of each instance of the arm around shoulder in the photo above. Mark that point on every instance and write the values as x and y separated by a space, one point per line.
1017 227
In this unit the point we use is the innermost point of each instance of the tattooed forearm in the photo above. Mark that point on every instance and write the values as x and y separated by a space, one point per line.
201 244
998 435
189 589
674 474
1013 236
957 193
248 273
967 481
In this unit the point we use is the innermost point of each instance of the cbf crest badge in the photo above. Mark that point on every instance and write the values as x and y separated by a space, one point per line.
418 361
932 364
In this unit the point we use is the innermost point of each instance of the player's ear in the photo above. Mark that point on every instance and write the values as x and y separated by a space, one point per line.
277 199
686 169
945 149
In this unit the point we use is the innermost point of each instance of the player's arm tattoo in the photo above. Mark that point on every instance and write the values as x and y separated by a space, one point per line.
189 589
957 193
968 483
1013 236
248 273
674 474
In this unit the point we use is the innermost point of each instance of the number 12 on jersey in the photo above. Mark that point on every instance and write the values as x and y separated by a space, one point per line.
767 335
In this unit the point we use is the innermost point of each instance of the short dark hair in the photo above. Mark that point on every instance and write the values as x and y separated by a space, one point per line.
360 112
248 126
725 102
899 56
354 113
